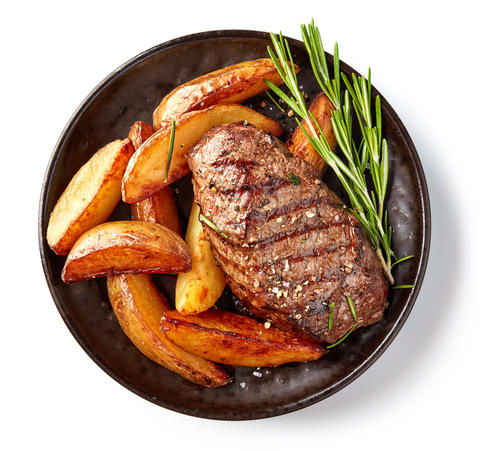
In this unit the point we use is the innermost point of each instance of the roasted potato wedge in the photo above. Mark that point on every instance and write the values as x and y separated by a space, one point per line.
232 84
139 132
299 144
160 207
198 289
139 307
90 197
126 247
145 173
233 339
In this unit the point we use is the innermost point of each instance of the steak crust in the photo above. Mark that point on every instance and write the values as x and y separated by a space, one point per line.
293 248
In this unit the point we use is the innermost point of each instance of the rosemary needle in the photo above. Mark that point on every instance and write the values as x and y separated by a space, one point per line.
398 287
343 338
212 225
408 257
170 150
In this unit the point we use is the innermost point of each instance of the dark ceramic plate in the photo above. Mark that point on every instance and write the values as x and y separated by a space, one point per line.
131 93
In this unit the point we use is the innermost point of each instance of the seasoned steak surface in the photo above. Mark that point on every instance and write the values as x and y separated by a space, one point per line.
292 248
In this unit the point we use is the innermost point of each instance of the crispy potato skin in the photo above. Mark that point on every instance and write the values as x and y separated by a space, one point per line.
145 173
139 307
198 289
233 339
90 197
139 132
122 247
232 84
299 145
160 207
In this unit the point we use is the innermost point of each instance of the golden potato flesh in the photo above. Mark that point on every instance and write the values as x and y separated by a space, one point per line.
126 247
299 144
90 197
233 339
139 307
232 84
139 132
198 289
146 171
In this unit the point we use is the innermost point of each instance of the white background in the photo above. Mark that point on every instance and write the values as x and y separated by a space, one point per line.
424 389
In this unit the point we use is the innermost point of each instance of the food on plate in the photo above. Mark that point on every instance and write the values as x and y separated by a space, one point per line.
126 247
90 197
139 307
198 289
300 146
146 172
290 249
232 84
233 339
160 207
139 132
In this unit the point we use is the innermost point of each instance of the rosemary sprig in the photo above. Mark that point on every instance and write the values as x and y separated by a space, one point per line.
170 150
212 225
366 205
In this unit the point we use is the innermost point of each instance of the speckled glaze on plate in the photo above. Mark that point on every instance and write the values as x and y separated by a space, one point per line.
131 93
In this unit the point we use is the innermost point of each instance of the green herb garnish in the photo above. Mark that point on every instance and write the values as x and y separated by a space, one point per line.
343 338
367 160
274 101
351 306
330 315
398 287
294 180
170 150
400 260
212 225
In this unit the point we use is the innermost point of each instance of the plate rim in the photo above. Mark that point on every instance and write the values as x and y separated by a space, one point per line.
270 412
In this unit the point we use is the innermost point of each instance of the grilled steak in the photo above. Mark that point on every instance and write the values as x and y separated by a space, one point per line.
292 247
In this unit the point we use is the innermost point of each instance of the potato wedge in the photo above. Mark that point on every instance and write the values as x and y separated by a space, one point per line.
126 247
90 197
198 289
299 144
139 307
139 132
232 84
146 170
233 339
160 207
